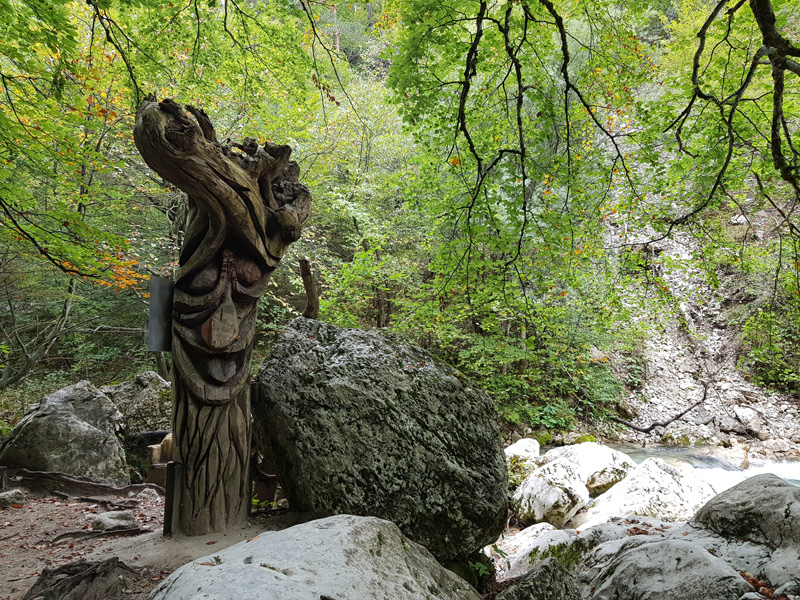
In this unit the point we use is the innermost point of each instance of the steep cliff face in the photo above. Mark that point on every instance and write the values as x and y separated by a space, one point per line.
690 356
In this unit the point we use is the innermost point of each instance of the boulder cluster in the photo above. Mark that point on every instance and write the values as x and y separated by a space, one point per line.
659 532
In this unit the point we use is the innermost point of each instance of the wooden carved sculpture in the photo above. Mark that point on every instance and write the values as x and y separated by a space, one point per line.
246 207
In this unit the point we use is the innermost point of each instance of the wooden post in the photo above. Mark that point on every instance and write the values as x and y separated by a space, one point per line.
246 206
312 297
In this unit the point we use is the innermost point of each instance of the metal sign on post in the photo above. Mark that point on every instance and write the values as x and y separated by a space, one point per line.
159 337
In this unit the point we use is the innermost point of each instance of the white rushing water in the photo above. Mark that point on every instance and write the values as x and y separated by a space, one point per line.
716 471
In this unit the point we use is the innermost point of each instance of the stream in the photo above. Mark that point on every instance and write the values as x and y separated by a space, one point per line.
710 466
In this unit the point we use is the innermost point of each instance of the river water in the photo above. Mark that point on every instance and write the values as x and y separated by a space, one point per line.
720 473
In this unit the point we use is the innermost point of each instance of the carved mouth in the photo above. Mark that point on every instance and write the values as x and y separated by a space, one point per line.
213 378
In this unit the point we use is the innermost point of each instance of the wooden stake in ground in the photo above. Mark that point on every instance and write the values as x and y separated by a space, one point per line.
312 296
246 207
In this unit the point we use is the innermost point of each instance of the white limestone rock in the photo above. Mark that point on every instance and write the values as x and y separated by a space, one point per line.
533 545
526 449
599 466
115 519
660 570
343 557
518 547
655 489
552 493
752 422
570 476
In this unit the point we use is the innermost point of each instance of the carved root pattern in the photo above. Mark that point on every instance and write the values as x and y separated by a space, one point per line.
215 452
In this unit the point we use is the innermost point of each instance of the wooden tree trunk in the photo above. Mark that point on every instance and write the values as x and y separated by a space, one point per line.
246 207
311 310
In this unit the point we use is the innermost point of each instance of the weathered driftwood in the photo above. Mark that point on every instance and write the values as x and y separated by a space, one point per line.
119 504
246 206
666 422
52 482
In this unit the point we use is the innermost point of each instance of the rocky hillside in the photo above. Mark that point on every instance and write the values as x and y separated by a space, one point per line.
689 359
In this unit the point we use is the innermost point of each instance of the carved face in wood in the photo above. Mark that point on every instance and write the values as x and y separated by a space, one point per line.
215 319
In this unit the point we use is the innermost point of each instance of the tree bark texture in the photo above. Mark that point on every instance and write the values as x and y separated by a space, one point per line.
246 206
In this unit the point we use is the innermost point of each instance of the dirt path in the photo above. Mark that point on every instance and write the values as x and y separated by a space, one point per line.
28 531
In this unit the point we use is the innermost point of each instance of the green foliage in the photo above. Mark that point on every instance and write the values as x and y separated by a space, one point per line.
772 337
263 504
479 568
475 190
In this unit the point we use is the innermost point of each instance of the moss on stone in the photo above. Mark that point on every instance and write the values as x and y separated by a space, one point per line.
568 555
586 437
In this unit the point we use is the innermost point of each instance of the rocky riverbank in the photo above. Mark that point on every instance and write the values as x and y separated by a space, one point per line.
598 526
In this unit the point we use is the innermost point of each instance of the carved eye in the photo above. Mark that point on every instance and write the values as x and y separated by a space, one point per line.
206 280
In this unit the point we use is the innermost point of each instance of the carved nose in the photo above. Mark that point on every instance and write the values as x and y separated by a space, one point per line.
222 328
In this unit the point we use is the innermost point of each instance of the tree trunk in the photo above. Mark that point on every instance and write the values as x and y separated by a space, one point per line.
312 296
161 366
246 207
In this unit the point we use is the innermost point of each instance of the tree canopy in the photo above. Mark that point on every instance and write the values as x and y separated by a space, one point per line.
486 174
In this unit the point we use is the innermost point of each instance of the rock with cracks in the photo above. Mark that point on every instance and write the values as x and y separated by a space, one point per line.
549 580
145 402
552 493
72 431
747 513
341 557
563 485
755 527
653 489
360 424
662 570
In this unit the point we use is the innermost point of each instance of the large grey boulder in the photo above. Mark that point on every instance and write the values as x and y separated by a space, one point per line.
763 509
145 402
72 431
342 557
361 424
755 527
